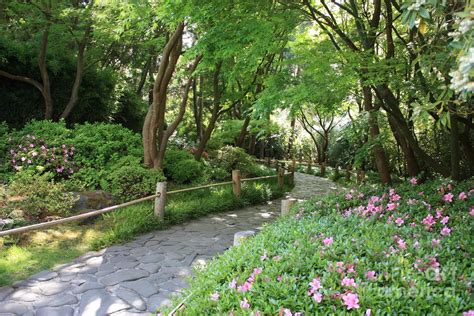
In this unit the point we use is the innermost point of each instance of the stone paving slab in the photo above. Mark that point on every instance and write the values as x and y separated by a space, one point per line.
140 276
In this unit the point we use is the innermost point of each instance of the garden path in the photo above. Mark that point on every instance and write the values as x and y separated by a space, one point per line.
137 277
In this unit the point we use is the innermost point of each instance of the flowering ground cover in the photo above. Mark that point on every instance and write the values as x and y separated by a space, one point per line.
371 251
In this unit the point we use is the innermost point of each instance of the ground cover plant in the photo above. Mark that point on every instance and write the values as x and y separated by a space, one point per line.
372 251
37 251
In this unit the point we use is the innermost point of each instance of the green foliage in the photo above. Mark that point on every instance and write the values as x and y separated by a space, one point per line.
186 171
129 182
233 158
38 197
101 145
180 167
405 261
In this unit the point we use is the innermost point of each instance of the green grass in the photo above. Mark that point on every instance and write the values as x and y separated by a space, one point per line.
33 252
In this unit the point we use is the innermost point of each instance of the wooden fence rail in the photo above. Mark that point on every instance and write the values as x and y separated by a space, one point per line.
159 197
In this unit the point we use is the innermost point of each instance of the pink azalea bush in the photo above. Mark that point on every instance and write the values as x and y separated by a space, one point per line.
375 251
34 154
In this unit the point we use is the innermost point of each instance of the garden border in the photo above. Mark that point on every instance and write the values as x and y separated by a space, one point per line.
160 198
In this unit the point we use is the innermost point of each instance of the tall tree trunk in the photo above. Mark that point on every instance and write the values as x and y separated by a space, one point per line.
413 169
391 105
289 152
455 146
79 74
252 143
216 111
377 150
243 132
154 124
197 108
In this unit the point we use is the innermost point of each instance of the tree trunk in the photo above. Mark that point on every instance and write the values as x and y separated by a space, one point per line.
243 132
377 150
413 169
390 104
154 123
454 146
79 74
289 152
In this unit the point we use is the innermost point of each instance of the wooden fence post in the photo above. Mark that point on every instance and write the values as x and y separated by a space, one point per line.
348 172
236 185
292 176
281 178
160 200
323 169
286 206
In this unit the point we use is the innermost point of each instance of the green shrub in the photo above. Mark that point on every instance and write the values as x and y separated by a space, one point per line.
187 171
130 182
399 251
179 166
219 174
172 157
233 158
99 145
38 197
54 133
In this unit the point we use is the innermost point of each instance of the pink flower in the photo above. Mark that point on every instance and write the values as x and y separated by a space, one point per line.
416 244
287 312
348 196
279 278
435 242
350 269
448 197
401 244
277 258
264 257
348 282
371 275
428 221
244 287
315 285
391 206
399 221
351 301
233 284
468 313
471 211
244 303
257 271
445 231
462 196
395 198
215 296
445 220
318 297
328 241
368 312
413 181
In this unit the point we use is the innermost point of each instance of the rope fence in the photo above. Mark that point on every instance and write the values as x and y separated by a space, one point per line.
159 197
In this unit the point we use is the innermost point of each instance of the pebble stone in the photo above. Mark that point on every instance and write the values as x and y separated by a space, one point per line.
142 275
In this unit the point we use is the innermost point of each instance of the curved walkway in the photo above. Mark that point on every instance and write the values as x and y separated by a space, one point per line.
139 276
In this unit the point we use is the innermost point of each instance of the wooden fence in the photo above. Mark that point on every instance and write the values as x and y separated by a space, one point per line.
291 165
160 200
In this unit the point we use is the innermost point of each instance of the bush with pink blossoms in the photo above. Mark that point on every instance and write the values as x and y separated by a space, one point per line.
351 256
32 153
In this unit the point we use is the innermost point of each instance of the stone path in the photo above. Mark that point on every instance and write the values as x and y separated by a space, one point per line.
139 276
